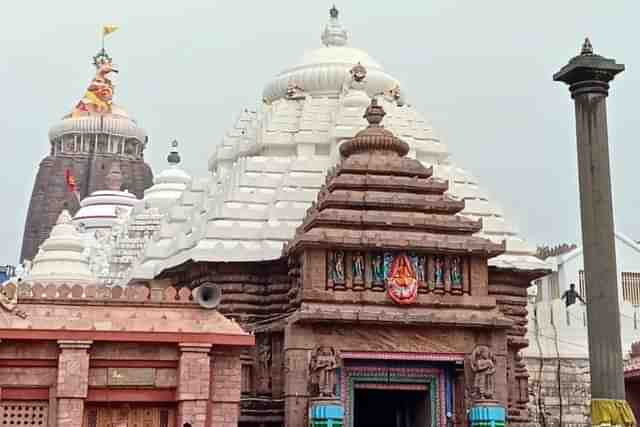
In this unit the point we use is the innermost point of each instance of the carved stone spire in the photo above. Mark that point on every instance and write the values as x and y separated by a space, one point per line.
375 138
334 34
587 49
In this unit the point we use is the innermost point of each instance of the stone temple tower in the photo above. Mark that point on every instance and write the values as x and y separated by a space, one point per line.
85 146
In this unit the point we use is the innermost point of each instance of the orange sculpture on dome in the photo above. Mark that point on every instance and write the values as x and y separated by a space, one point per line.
402 284
99 95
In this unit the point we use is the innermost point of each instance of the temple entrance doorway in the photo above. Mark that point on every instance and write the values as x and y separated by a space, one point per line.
124 415
391 408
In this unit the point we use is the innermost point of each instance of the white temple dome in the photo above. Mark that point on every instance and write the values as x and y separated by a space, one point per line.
61 257
324 71
169 184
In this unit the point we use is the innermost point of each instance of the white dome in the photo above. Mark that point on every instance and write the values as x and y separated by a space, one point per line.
169 184
323 71
117 123
102 209
61 257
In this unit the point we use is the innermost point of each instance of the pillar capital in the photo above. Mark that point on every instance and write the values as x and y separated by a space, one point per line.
588 73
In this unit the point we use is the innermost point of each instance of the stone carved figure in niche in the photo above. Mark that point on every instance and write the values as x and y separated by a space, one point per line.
358 267
264 361
388 261
377 268
418 262
338 267
483 365
402 285
455 272
438 271
521 376
322 367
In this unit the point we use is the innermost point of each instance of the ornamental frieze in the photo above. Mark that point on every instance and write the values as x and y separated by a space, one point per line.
402 275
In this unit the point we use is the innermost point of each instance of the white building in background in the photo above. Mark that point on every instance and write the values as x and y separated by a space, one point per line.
548 312
558 352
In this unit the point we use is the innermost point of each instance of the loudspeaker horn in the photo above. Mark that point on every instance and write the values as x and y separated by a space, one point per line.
207 295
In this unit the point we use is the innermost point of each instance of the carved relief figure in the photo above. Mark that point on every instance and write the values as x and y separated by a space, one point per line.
418 262
402 285
378 268
294 91
99 95
455 272
9 299
388 261
358 267
483 366
264 361
438 271
9 296
336 266
322 367
358 72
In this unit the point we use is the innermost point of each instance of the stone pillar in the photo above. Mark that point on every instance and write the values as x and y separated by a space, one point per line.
193 384
588 76
73 382
225 389
296 388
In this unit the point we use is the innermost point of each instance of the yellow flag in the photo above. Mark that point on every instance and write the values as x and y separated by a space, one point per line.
108 29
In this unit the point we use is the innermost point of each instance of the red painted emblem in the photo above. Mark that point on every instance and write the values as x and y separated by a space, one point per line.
402 284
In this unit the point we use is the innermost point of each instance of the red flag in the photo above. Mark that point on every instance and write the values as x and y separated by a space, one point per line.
70 180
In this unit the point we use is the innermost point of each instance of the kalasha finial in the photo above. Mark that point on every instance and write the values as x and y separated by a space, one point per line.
333 12
374 138
174 157
374 113
587 49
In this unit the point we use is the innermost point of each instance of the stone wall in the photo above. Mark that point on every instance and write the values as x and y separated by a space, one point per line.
559 393
50 195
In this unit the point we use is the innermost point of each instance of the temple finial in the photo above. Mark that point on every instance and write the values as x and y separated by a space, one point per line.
587 48
374 113
334 34
174 156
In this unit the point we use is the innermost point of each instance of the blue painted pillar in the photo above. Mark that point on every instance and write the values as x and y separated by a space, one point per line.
325 414
490 414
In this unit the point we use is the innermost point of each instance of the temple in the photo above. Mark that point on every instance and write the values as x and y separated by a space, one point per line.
336 267
96 136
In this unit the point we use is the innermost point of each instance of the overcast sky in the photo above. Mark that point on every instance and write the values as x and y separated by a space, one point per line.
479 70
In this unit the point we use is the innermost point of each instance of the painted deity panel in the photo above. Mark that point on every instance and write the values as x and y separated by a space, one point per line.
357 267
419 262
438 271
336 266
377 269
455 272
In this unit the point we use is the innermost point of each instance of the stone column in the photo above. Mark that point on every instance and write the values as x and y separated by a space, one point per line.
588 76
193 384
225 389
73 382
